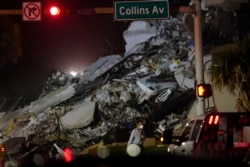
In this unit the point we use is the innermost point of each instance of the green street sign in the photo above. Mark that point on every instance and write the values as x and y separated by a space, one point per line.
141 10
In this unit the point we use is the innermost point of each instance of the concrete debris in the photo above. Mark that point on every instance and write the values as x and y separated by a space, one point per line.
154 76
99 67
79 116
52 99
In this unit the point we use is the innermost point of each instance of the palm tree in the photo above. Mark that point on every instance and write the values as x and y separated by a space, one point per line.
10 42
230 69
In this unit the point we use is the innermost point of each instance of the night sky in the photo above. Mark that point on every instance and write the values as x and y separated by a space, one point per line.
68 42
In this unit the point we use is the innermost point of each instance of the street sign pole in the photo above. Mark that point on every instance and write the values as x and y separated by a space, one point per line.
198 54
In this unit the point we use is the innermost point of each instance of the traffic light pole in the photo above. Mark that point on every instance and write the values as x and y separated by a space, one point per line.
196 10
198 54
11 12
98 10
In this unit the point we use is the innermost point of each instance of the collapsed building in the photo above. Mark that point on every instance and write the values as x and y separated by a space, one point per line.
153 80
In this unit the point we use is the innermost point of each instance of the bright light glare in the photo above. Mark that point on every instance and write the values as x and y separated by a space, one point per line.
68 155
54 11
73 73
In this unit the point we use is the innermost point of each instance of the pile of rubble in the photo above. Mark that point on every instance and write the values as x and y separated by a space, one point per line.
153 80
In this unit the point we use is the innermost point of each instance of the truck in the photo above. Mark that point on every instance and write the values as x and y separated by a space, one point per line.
214 135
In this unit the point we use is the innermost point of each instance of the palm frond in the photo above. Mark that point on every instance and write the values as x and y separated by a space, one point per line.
230 69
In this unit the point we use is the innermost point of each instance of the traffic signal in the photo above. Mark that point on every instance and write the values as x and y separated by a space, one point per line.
54 10
204 90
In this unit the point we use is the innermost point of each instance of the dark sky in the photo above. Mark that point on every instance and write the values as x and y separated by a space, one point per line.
68 42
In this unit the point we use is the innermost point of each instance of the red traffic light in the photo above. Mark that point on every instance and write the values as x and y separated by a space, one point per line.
204 90
54 10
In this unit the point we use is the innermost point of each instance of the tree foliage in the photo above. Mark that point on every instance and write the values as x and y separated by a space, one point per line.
231 70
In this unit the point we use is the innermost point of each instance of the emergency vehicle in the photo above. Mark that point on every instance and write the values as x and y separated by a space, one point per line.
214 135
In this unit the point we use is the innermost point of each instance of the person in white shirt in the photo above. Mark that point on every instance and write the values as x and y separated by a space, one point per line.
137 136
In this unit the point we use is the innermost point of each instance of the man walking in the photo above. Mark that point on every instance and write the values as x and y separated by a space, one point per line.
137 137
